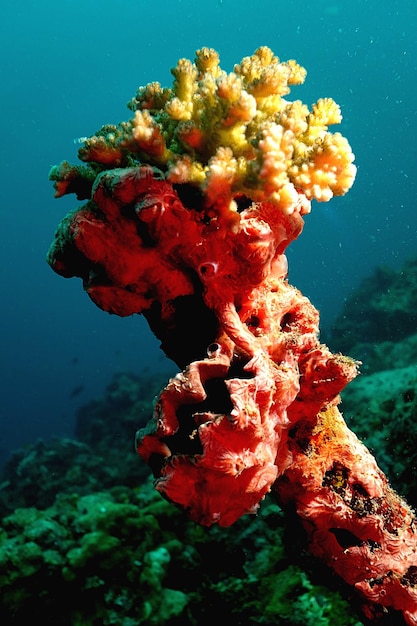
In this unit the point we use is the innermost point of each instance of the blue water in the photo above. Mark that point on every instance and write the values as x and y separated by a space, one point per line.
68 67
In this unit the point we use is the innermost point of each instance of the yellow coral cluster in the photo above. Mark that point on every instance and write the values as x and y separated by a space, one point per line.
234 134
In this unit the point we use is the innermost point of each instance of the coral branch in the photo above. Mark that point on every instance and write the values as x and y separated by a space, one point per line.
191 206
355 522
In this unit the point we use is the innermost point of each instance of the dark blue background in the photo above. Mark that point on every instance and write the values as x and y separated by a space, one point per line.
68 67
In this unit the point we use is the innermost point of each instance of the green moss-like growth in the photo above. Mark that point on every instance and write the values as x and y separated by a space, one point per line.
292 598
127 557
79 556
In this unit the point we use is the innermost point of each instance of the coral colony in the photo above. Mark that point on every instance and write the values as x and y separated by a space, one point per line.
190 207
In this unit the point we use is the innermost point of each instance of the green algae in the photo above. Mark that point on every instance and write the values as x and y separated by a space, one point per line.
126 556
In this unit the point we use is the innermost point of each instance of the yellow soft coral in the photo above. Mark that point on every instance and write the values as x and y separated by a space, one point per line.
327 170
207 61
274 152
149 138
185 83
233 134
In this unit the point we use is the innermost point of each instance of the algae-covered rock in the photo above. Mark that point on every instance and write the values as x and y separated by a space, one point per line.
101 456
70 559
378 323
292 597
35 474
127 557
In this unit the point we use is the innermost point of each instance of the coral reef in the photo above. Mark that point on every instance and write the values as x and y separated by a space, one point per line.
102 455
194 203
379 320
125 557
79 562
58 528
35 474
107 424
